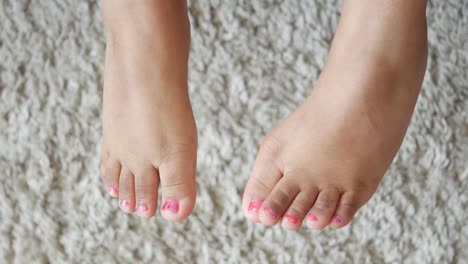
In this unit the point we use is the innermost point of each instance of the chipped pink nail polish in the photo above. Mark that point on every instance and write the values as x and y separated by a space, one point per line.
255 206
291 218
113 191
271 212
171 206
124 203
142 208
312 217
337 219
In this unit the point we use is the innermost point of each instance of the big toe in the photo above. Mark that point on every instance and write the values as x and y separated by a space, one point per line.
104 156
264 177
278 201
178 186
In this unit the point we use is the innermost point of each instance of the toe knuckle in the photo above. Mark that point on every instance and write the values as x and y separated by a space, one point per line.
301 205
260 182
172 184
270 146
299 209
144 192
364 185
125 187
350 207
333 190
323 205
325 202
171 152
282 197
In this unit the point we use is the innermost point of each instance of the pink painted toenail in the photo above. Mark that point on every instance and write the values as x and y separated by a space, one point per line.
142 208
171 206
271 212
255 206
337 219
124 203
113 191
291 218
312 217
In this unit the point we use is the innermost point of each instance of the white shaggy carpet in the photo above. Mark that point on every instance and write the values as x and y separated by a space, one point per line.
252 62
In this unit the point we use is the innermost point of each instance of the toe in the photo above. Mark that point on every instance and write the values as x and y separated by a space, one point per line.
298 209
348 205
178 186
111 181
102 170
146 192
323 209
278 201
127 191
104 156
264 177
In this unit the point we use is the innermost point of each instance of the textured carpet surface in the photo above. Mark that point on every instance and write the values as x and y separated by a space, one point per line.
252 62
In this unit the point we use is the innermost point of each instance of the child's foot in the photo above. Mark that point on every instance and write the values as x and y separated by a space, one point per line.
150 137
326 160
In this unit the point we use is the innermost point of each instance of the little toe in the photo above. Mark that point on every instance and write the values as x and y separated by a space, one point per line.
102 171
104 156
323 209
264 177
178 186
347 207
111 181
278 201
146 192
298 209
127 191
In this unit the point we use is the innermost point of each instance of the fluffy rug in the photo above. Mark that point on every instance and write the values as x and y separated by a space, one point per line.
252 63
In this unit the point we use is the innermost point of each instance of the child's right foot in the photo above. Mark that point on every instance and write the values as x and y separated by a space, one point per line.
149 133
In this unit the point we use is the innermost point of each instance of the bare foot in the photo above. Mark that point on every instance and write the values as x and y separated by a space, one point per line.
326 159
149 136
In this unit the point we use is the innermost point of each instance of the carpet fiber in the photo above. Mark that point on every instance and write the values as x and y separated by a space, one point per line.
252 63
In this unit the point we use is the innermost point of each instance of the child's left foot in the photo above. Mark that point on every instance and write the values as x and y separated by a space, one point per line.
326 160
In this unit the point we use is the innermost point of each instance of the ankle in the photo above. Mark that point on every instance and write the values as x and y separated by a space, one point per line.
146 19
389 35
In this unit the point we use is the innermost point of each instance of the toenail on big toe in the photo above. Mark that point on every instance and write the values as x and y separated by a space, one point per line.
171 206
255 206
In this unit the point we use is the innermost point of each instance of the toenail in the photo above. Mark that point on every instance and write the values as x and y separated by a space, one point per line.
171 206
142 208
113 190
124 203
254 206
337 219
291 218
312 217
271 212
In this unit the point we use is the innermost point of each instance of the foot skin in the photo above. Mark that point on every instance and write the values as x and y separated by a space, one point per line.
325 161
149 133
